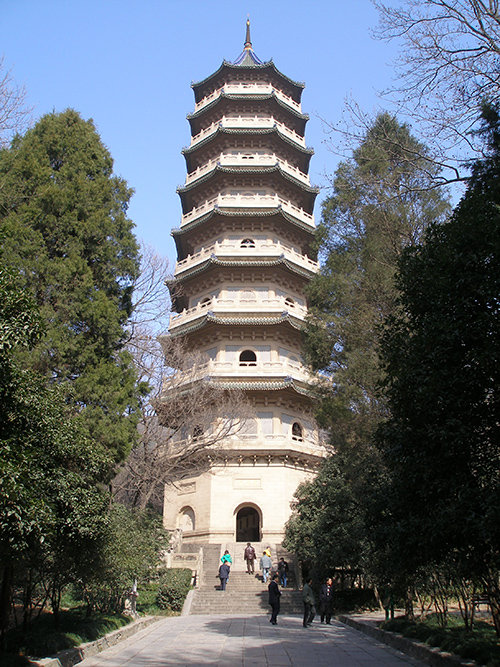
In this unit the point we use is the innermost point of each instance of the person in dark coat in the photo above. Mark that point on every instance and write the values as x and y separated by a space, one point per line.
274 599
309 602
224 570
326 601
283 571
250 557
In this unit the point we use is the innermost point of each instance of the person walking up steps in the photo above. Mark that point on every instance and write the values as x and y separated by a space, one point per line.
226 558
224 570
274 599
283 572
250 557
265 566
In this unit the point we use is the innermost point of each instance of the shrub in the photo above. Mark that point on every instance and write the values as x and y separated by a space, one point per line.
174 586
355 599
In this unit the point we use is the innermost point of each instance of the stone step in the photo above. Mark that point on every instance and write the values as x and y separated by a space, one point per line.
238 602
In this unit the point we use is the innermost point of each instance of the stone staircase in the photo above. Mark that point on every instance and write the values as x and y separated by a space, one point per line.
245 594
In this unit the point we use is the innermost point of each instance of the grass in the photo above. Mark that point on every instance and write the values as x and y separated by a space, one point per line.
481 645
43 639
75 628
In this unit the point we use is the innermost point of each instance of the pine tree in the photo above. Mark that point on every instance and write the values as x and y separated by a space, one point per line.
63 213
381 203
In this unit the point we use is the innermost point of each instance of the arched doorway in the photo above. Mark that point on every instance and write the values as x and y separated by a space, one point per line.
248 525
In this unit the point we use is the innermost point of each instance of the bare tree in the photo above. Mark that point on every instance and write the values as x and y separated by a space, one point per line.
449 64
15 113
183 429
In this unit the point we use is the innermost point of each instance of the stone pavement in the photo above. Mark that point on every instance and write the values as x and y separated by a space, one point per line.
246 641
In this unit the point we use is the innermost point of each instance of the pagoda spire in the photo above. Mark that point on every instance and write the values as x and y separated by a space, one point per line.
248 41
247 57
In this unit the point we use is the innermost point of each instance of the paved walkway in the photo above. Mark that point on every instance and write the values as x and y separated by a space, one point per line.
248 641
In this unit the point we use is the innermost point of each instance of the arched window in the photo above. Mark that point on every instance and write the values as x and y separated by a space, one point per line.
248 358
205 301
247 243
289 302
186 519
297 431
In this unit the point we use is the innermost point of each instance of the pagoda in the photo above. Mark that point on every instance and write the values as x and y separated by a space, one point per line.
245 254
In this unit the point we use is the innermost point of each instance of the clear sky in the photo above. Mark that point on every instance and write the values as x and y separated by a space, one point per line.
129 64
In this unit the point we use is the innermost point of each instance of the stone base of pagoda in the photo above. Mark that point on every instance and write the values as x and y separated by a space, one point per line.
234 502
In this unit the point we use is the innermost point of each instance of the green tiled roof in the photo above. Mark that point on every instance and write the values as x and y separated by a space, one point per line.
243 131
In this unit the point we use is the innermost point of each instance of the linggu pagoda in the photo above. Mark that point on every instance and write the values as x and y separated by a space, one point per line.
245 255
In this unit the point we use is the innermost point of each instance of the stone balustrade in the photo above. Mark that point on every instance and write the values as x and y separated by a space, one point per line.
247 201
229 306
254 160
253 122
256 88
234 249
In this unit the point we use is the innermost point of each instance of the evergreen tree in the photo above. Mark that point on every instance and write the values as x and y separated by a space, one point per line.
442 353
381 203
63 213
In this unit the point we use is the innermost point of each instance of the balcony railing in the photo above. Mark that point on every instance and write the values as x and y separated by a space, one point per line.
253 160
234 248
247 89
219 305
247 201
258 370
250 123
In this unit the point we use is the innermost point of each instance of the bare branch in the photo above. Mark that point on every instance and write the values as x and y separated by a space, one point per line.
15 113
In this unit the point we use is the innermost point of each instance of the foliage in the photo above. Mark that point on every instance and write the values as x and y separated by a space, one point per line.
174 587
441 351
75 628
63 213
481 646
50 505
327 528
380 204
131 551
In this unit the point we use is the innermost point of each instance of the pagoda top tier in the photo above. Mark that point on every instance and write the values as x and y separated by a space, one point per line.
247 62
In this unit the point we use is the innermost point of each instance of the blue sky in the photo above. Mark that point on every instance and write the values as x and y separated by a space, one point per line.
129 64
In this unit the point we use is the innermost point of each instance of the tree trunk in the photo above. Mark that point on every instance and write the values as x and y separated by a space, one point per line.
6 597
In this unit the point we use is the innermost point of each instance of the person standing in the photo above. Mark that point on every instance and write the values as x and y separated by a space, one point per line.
309 601
250 557
283 572
224 570
326 600
274 599
265 566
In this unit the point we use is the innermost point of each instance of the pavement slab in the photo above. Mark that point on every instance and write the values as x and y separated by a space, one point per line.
248 641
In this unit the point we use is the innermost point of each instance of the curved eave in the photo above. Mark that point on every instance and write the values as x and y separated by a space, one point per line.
257 170
245 97
242 131
178 232
265 385
179 235
226 65
244 264
211 318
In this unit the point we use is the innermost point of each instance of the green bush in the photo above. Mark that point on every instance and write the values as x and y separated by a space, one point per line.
355 599
173 589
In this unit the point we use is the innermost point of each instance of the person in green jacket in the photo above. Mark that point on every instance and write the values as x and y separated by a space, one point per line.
309 602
